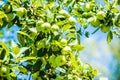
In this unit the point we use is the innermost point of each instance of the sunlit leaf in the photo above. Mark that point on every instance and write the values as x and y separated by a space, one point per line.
109 37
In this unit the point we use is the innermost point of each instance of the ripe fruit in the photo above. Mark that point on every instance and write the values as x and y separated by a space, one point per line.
72 20
54 27
3 69
20 11
101 15
105 28
52 60
9 17
64 12
87 7
95 22
38 24
60 60
63 42
45 27
7 8
66 50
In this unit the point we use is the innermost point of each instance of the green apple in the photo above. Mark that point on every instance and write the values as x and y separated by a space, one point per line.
45 27
38 24
3 69
63 42
64 12
54 27
41 44
20 11
66 50
105 28
101 15
87 7
95 22
52 60
60 60
7 8
72 20
10 17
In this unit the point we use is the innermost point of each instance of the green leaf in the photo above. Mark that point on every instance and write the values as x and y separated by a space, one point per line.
114 9
21 51
94 72
25 59
6 48
77 47
109 37
2 15
87 34
1 23
12 74
23 70
71 35
37 65
25 34
66 27
2 53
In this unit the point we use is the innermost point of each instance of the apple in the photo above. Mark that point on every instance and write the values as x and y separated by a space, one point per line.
60 60
38 24
63 42
9 17
52 60
66 50
95 22
101 15
45 27
3 69
72 20
87 7
105 28
64 12
7 8
41 44
20 11
54 27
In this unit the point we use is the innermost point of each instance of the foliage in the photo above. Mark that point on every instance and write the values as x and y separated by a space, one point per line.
49 39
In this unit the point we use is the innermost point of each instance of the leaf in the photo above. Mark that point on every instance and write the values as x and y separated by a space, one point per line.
22 50
2 15
71 35
66 27
109 37
87 34
37 65
114 9
23 70
12 74
77 47
6 49
25 34
1 23
25 59
94 72
118 2
2 54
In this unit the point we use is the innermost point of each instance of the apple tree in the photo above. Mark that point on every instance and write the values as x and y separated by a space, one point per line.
49 37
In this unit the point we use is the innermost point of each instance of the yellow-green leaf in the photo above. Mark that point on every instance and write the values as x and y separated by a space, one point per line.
109 37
